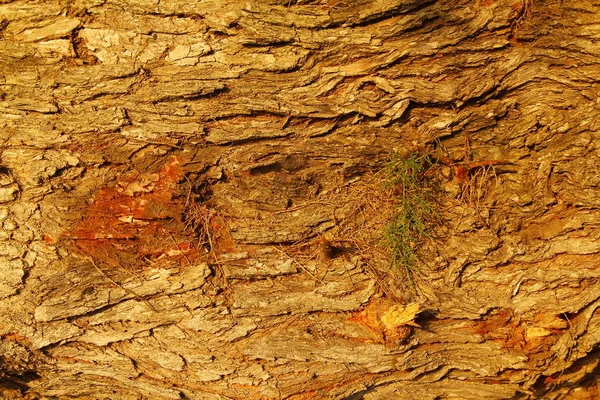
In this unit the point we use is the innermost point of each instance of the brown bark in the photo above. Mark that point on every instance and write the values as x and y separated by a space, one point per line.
191 209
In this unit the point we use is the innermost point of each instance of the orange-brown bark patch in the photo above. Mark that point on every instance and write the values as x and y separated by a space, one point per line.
137 221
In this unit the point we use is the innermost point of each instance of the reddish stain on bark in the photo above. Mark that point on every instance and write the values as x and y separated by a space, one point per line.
502 327
137 221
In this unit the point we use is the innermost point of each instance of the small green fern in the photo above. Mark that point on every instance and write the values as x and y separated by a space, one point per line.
404 178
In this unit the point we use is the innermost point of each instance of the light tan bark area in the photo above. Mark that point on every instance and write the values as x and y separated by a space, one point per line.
190 207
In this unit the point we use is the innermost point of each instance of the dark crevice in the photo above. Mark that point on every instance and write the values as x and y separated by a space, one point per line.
268 44
16 381
391 13
176 98
545 385
81 51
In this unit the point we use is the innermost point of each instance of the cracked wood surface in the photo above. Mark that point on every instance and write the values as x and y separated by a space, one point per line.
185 195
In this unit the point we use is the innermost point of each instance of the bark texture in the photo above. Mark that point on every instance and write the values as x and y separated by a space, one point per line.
189 208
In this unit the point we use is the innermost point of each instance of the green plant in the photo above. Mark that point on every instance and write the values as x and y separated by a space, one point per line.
415 211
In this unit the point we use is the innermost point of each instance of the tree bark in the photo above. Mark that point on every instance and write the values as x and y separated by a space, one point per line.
192 207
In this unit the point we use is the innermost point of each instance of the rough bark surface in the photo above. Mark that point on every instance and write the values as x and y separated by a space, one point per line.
189 203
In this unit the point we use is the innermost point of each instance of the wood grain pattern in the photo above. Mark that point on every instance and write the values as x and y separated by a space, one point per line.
279 113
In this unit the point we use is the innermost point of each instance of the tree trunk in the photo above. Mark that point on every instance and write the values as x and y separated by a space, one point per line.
193 204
